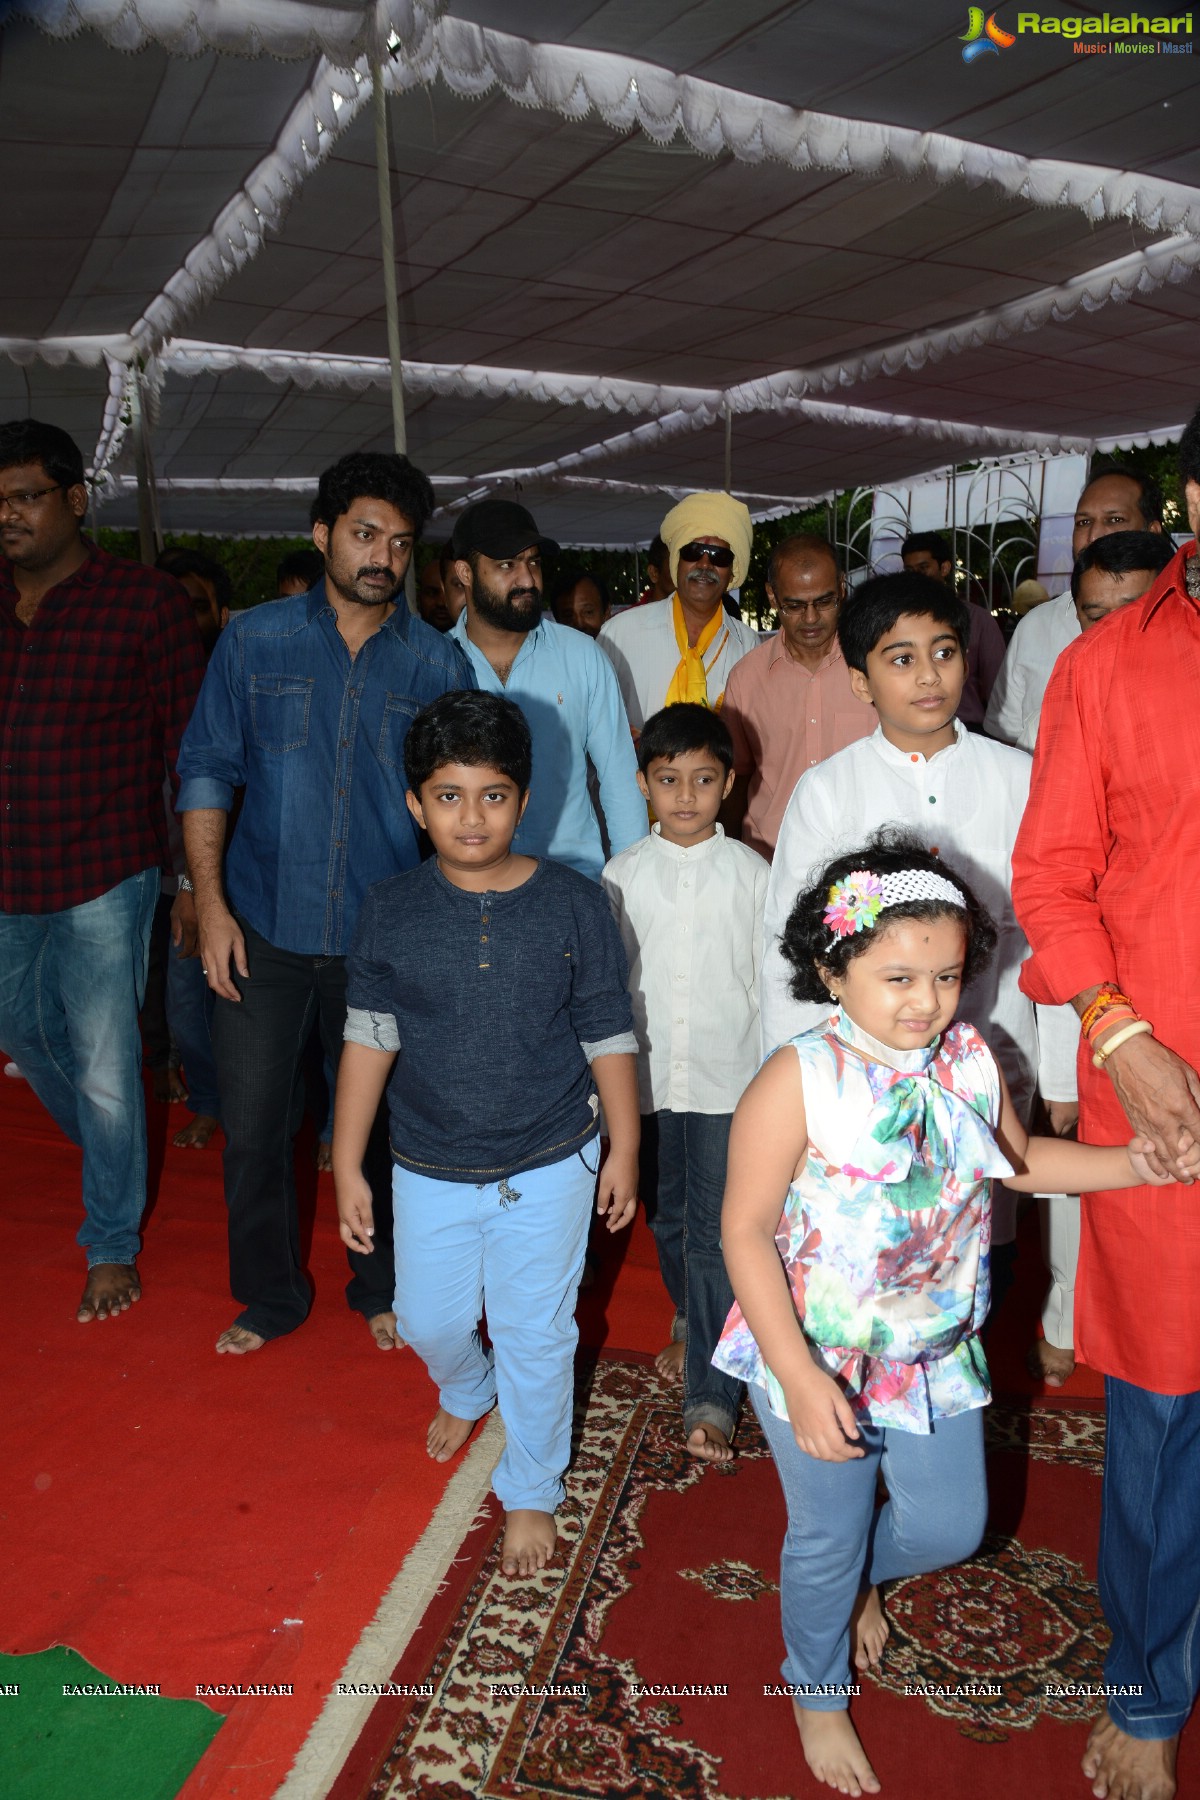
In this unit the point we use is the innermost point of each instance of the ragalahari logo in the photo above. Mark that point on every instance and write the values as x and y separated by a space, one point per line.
984 37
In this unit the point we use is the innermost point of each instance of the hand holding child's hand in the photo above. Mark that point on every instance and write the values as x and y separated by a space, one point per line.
616 1193
822 1419
1150 1171
356 1215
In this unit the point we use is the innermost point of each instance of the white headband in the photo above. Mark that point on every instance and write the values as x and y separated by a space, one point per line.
856 903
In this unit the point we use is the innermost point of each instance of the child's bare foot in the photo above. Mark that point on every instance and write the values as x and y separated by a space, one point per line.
196 1134
447 1434
868 1630
382 1327
1121 1767
709 1443
669 1362
324 1158
1046 1362
833 1752
529 1540
239 1340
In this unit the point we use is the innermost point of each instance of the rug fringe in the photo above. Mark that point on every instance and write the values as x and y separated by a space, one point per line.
421 1576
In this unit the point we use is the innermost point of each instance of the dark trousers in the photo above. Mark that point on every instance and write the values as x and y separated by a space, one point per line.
259 1046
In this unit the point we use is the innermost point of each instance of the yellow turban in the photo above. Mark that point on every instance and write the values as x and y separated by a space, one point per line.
709 515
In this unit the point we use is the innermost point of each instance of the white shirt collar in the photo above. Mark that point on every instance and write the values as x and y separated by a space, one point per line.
905 758
685 852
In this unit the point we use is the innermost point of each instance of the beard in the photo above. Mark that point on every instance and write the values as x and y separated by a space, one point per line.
519 609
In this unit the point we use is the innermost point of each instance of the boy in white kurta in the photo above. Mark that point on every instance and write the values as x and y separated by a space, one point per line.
689 905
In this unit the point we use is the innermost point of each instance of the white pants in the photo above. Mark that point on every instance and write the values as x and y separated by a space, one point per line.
1059 1215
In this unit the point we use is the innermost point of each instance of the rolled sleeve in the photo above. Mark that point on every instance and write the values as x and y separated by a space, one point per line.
375 1030
623 1044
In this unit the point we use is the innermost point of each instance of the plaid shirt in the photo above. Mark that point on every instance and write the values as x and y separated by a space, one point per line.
94 698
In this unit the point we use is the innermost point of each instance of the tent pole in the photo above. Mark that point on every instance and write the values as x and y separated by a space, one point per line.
728 448
149 536
388 248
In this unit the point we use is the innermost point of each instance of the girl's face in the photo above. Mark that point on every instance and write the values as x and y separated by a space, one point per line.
903 990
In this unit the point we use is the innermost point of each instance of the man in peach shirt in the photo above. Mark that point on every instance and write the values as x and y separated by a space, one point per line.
789 704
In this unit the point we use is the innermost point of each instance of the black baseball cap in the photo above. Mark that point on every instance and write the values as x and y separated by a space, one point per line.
498 528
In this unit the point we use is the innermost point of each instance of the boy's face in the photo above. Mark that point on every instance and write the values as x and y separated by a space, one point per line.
914 680
686 792
1101 593
470 812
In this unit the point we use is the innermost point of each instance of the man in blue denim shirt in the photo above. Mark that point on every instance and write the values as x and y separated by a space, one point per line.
305 706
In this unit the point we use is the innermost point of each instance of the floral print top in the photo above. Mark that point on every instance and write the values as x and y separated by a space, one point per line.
885 1233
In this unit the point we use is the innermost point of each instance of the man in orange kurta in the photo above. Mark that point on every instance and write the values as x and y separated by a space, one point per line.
1106 884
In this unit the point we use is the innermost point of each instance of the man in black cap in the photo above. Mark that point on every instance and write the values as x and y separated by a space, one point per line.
563 684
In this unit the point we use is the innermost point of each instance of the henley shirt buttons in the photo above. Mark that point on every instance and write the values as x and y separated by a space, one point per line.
933 799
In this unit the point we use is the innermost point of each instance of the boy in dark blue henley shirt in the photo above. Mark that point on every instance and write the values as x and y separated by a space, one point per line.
487 992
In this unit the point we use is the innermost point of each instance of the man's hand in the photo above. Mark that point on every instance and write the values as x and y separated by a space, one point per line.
616 1193
1063 1116
184 925
1161 1096
356 1215
822 1419
222 949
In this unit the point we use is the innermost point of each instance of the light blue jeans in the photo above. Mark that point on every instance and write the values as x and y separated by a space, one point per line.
837 1542
461 1249
71 986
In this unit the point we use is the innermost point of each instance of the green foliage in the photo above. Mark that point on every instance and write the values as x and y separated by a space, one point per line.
250 562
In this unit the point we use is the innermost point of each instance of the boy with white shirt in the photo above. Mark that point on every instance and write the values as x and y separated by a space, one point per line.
689 904
904 638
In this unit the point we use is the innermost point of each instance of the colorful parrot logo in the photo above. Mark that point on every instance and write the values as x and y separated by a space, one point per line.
983 38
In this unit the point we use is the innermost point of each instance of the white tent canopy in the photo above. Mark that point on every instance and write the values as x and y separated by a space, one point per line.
817 221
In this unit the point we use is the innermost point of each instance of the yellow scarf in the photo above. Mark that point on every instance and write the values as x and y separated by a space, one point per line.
690 681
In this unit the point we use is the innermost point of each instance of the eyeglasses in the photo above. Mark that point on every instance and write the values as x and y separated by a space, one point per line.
719 555
816 607
19 502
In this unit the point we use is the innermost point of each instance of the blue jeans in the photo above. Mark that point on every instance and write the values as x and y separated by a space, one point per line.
71 987
1150 1557
692 1149
190 1003
461 1248
838 1543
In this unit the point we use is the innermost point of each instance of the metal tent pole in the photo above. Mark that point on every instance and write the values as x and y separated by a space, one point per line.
728 448
149 534
391 303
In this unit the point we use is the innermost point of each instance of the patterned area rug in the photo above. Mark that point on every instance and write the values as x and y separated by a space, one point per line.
643 1663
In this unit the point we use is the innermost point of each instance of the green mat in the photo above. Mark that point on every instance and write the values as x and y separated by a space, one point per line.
54 1746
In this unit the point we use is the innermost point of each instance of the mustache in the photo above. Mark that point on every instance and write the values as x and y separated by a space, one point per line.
370 572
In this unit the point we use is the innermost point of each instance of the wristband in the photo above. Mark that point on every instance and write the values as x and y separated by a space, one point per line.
1107 998
1101 1056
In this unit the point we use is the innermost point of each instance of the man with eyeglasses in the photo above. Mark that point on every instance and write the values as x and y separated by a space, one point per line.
683 648
789 704
100 665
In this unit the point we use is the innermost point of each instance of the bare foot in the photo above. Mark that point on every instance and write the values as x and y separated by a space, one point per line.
1046 1362
168 1086
1121 1767
238 1341
383 1329
111 1288
324 1158
669 1363
529 1540
195 1135
447 1434
709 1443
833 1752
868 1630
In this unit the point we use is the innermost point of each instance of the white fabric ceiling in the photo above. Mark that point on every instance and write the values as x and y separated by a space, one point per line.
879 259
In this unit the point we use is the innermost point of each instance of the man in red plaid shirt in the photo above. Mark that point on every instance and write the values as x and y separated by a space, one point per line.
100 664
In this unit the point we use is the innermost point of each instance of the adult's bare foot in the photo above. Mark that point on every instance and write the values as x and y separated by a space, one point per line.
529 1540
709 1443
1046 1362
382 1327
196 1133
167 1086
324 1157
1121 1767
833 1752
447 1434
669 1363
238 1341
111 1288
868 1630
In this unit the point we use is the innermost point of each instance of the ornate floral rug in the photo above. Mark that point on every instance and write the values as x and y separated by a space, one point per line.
645 1662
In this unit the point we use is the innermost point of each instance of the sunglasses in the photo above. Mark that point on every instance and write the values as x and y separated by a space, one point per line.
719 555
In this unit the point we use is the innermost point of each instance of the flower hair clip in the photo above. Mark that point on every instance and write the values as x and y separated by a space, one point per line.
854 904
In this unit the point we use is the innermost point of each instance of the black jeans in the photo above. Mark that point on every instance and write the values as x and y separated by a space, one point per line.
259 1046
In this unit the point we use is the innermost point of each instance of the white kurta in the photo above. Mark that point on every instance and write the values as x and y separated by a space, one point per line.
1016 703
965 802
641 646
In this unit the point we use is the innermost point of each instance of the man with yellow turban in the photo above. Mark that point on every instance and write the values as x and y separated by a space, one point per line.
683 648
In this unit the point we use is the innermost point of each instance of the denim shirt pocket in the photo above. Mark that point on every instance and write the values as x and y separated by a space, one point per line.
399 711
279 709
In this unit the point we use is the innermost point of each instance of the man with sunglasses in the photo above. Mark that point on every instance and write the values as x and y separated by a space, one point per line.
100 664
789 704
683 648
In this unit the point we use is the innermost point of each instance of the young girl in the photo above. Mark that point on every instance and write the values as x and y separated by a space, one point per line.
858 1306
